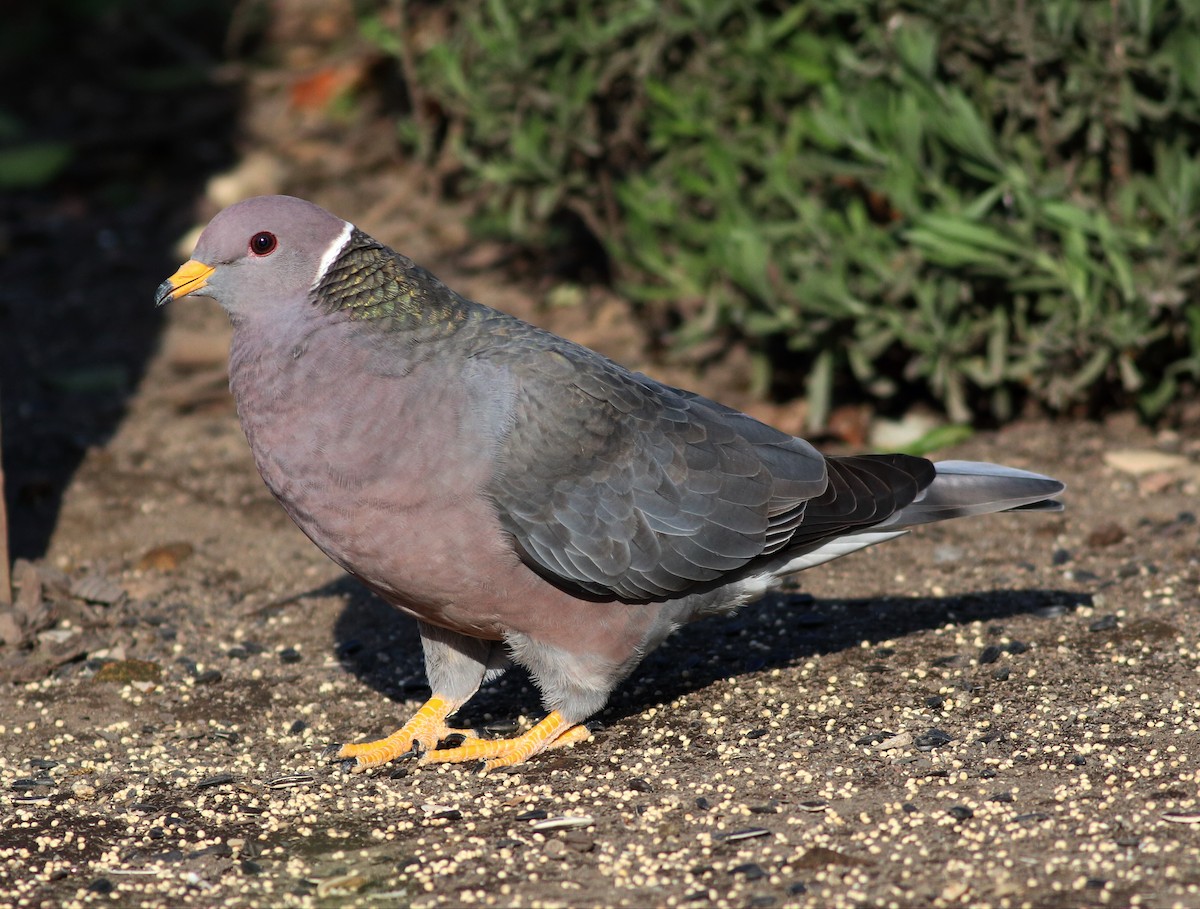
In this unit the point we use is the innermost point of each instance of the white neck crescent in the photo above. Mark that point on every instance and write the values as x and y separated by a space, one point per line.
332 252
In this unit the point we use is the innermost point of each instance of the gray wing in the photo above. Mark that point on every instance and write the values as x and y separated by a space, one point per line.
622 487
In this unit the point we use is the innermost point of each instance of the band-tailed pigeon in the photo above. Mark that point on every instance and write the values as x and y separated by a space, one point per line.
522 497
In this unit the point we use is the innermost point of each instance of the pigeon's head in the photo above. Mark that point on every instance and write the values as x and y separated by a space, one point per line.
260 256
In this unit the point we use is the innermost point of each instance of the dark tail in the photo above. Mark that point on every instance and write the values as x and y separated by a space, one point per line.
964 488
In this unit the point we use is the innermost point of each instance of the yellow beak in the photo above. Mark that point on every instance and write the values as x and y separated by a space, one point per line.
191 277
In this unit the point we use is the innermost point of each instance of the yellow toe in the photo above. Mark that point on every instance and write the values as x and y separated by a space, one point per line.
551 732
420 734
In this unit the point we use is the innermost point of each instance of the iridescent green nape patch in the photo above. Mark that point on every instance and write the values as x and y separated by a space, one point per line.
369 282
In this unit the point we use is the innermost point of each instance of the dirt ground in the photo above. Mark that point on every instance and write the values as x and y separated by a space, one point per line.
999 711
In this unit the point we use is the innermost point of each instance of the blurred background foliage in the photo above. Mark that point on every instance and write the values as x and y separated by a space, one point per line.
981 204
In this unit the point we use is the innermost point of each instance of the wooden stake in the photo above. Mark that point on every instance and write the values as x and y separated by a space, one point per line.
5 576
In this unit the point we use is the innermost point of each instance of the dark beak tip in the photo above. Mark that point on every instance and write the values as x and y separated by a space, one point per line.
163 294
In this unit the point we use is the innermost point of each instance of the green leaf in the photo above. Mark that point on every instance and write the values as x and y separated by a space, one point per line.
33 164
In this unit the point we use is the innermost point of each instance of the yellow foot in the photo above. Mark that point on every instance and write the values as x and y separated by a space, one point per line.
552 732
420 734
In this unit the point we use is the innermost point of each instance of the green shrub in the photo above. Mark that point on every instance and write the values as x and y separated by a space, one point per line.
967 200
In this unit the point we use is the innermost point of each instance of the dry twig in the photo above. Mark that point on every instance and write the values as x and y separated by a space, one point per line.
5 579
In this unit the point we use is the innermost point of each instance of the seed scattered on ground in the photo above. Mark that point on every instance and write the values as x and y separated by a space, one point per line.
220 779
746 834
1181 817
564 822
290 781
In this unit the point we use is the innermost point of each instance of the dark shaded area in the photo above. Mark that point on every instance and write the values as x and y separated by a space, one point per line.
381 647
103 154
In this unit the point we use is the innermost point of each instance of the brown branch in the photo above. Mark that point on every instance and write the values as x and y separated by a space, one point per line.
5 577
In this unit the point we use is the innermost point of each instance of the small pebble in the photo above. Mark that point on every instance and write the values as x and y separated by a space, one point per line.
290 655
1060 557
1002 674
813 805
1053 611
1105 535
537 814
751 871
209 676
990 654
873 738
932 738
960 812
502 727
579 841
1104 623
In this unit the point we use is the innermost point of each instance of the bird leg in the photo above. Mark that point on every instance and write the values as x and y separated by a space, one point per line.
551 732
421 733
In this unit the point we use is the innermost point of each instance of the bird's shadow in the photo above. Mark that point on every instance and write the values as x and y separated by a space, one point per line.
381 646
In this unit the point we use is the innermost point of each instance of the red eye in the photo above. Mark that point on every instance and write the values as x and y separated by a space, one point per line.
263 243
